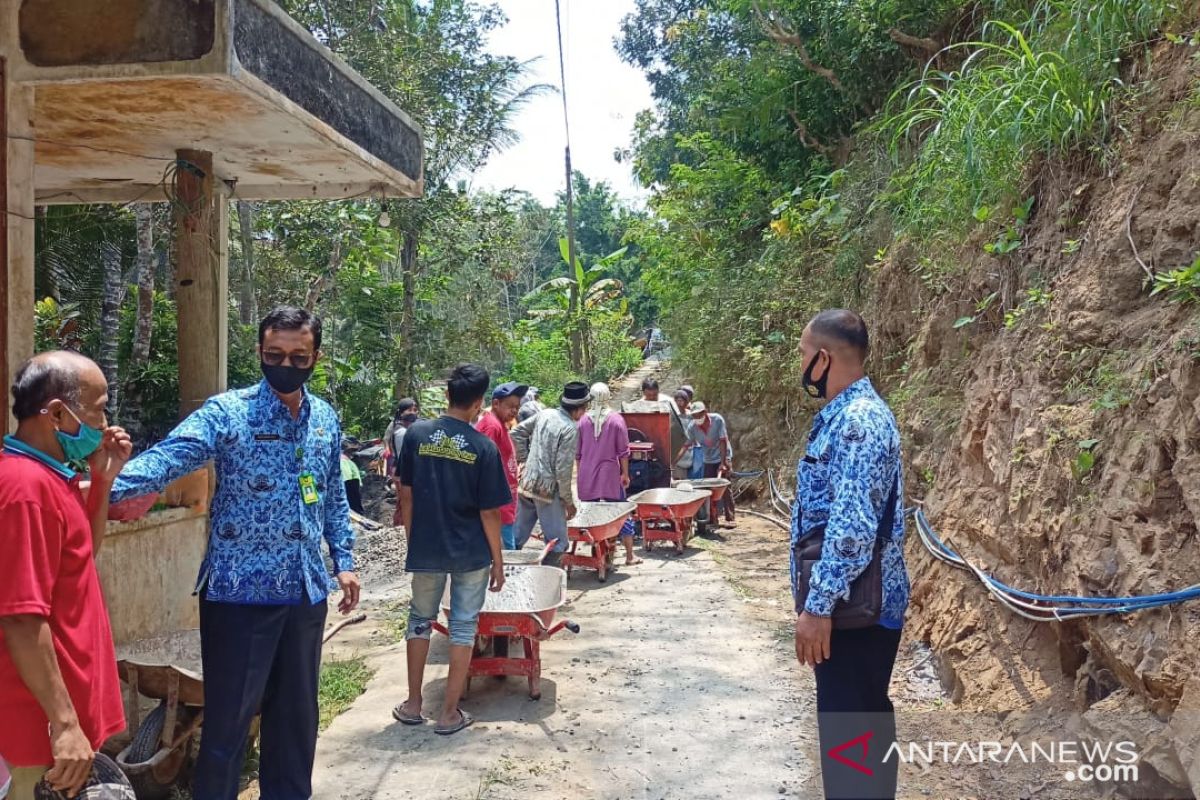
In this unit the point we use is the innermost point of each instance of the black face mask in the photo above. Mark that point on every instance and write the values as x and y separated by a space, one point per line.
816 388
285 379
408 419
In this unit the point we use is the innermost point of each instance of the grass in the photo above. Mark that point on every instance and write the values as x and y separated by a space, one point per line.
395 620
499 775
1043 82
342 682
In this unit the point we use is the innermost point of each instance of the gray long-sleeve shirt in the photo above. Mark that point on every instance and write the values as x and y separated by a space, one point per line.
546 445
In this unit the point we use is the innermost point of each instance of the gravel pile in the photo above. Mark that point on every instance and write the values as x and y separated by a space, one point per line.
527 589
590 515
380 553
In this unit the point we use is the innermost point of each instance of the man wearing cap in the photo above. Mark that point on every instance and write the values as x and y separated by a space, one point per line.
711 436
506 402
546 444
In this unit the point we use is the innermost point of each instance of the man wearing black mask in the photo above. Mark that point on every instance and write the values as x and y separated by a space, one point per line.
263 583
848 576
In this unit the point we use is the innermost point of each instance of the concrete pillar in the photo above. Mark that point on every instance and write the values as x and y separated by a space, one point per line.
16 231
201 221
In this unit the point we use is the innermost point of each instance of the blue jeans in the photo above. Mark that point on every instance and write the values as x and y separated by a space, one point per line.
552 515
508 536
468 590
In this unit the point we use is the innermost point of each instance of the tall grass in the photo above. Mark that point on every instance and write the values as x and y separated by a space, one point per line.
1041 82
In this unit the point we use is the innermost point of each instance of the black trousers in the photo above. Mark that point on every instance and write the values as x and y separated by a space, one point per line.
855 717
259 657
354 496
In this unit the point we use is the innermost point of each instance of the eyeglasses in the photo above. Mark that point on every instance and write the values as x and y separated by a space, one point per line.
298 360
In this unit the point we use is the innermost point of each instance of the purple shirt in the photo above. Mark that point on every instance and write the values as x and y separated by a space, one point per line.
599 473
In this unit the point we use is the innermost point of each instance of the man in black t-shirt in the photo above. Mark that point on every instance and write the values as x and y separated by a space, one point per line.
452 487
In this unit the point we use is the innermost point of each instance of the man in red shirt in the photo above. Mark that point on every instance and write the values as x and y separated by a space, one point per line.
506 402
59 693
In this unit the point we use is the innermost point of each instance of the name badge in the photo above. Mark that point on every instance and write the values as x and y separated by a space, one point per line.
308 488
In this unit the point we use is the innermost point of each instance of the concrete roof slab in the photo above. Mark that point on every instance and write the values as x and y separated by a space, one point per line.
283 117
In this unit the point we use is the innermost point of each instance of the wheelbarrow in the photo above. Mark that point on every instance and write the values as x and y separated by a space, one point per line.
706 517
167 670
597 525
523 612
667 515
519 558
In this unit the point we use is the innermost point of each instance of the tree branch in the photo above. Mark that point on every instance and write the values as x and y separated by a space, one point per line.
807 139
777 31
923 44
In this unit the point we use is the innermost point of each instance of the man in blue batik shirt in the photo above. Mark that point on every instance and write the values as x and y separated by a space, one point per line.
263 582
849 473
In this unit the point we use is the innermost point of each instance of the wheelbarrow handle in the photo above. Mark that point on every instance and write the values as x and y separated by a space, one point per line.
573 627
546 550
426 627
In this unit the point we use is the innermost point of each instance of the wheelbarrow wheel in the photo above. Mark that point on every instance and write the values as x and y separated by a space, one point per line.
147 737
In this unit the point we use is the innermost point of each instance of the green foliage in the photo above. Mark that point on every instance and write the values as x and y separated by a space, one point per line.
157 382
1085 459
340 684
1180 285
1035 298
56 325
1042 83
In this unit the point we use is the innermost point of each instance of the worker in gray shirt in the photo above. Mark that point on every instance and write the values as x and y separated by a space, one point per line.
546 445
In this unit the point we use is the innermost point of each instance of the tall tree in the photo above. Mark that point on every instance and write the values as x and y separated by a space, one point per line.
247 299
433 59
110 258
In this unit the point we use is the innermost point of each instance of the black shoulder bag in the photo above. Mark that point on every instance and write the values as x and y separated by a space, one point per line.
863 608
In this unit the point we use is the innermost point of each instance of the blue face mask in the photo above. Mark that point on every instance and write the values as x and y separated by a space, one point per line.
77 447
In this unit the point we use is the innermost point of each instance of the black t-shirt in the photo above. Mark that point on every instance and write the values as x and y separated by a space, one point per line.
455 472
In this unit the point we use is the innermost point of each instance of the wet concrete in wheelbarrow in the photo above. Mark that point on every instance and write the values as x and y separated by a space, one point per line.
674 688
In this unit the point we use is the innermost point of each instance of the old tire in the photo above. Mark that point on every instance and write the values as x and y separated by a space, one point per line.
146 739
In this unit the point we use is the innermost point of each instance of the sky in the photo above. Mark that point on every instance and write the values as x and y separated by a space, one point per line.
604 95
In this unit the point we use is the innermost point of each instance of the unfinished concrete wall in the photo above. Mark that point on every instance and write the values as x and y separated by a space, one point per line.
271 51
148 568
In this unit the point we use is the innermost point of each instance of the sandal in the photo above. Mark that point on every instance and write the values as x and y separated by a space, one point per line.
405 718
465 720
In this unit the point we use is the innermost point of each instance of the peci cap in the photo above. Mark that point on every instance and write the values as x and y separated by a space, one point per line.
576 394
509 389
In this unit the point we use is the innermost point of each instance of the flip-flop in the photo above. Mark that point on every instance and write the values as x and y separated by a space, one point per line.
634 563
403 717
464 720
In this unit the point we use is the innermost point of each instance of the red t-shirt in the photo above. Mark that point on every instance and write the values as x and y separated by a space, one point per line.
491 427
46 550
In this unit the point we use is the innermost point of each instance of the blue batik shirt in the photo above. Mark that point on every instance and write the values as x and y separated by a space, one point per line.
843 483
264 543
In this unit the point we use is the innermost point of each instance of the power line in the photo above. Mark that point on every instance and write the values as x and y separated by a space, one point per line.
562 69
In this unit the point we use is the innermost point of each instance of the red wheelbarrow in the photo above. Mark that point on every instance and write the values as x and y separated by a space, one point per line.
598 525
523 612
667 515
706 519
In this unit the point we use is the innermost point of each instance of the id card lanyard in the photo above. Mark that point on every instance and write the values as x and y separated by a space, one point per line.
308 483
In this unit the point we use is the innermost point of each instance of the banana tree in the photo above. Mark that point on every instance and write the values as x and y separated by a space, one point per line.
575 298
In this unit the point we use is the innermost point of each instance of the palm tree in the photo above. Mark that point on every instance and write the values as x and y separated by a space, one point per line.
577 297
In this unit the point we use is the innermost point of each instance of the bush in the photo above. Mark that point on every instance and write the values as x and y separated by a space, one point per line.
1041 84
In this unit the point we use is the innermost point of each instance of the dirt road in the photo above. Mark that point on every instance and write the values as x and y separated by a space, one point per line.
674 688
